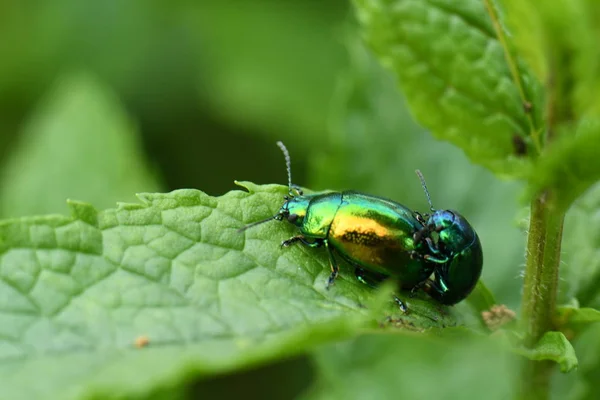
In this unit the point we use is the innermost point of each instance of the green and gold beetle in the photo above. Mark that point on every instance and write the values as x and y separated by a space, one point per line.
438 252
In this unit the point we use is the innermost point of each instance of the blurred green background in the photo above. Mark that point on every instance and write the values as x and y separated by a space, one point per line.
100 100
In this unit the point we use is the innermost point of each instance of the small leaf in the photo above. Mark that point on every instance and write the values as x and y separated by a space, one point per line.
78 144
574 317
455 74
125 301
553 346
481 298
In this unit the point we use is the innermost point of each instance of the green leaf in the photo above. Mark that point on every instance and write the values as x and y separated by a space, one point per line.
586 57
126 301
558 38
78 144
456 77
388 366
570 166
587 347
553 346
584 383
576 318
481 299
580 274
528 34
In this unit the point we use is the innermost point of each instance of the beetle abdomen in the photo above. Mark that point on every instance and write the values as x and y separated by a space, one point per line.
377 235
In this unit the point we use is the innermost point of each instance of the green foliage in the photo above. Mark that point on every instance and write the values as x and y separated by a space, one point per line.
99 149
482 298
576 318
78 292
571 165
456 77
582 383
558 39
374 146
552 346
564 40
260 83
514 85
581 272
157 299
382 366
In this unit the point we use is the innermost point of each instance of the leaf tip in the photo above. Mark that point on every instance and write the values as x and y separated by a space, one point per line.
83 211
249 186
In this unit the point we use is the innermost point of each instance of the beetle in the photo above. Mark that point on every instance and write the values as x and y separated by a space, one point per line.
456 249
381 239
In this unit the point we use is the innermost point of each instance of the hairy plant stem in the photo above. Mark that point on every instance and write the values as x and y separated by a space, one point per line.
540 288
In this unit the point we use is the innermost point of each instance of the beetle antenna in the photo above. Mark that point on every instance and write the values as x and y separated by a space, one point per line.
242 229
422 178
288 165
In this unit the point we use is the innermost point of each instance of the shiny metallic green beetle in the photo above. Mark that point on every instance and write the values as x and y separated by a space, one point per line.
455 247
384 239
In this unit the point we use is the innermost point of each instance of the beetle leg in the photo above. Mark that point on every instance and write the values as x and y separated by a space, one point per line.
420 234
419 217
291 241
362 278
301 239
416 288
373 279
436 290
401 305
432 246
334 266
370 279
436 259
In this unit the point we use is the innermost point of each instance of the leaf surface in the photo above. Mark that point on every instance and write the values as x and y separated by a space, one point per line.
125 301
460 80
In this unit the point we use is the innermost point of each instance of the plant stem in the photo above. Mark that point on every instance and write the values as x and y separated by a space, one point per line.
540 288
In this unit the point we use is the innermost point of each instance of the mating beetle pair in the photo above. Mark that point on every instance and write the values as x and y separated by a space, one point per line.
438 252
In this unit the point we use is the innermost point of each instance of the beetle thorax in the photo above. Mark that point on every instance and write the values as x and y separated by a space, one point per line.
294 209
454 231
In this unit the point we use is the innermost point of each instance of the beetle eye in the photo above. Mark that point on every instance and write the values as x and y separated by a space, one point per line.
292 218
